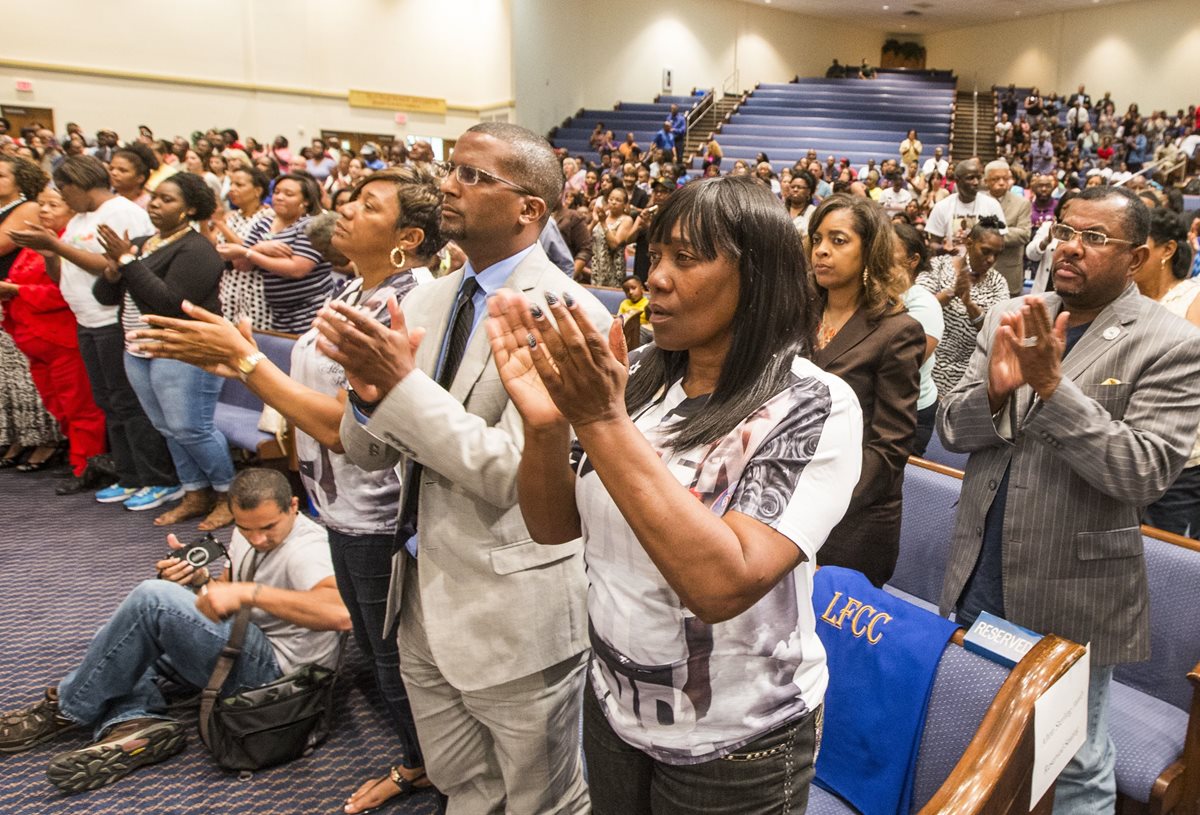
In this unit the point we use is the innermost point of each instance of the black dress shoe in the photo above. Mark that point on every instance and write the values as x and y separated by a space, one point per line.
78 483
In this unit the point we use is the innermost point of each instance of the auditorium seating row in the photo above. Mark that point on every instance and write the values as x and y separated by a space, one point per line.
1154 716
998 92
644 119
852 118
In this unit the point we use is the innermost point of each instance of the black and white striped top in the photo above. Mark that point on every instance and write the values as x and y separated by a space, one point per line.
294 302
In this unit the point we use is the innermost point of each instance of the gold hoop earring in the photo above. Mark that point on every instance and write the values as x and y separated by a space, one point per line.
399 264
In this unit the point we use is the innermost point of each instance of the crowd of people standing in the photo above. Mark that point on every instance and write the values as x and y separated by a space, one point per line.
472 424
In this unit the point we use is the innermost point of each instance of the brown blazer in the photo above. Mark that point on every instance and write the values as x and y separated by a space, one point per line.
881 362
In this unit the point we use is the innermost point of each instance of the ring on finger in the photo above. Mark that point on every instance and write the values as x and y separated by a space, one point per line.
1029 342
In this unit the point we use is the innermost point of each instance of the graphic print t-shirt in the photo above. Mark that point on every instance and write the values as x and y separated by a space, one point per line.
351 500
679 689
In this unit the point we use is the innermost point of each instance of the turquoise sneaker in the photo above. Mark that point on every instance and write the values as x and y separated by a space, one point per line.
151 497
115 494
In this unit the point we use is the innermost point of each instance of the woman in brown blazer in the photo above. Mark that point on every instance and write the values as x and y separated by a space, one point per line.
866 338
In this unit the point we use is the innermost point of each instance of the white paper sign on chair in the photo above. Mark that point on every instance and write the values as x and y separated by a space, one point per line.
1059 726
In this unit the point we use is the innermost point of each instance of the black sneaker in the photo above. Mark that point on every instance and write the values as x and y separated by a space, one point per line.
121 750
23 730
87 482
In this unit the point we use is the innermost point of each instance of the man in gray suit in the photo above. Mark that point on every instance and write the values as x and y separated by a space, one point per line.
998 181
491 626
1078 409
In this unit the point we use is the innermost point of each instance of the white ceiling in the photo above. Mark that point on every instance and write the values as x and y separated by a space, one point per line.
934 15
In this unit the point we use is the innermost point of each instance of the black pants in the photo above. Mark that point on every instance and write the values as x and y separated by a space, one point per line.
769 775
926 418
138 450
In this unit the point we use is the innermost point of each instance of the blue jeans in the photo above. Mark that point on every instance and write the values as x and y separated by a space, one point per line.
362 565
180 400
158 620
1088 784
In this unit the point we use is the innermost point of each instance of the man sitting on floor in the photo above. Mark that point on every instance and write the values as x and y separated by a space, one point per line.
178 625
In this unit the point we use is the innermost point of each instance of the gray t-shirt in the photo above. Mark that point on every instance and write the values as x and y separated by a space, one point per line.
299 563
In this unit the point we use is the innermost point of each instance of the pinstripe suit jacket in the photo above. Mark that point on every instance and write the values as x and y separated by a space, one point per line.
1084 464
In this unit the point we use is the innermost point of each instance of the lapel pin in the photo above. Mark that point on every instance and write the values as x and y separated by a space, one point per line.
1111 333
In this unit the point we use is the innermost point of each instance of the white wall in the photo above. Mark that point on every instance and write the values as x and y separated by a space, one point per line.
570 54
458 50
1145 52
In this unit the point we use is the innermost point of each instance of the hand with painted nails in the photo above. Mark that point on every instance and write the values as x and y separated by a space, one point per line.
376 357
582 370
511 327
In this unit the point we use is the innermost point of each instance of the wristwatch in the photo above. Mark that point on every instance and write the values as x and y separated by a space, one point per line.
362 405
246 365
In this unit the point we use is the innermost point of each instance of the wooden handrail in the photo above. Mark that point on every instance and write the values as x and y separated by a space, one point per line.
988 779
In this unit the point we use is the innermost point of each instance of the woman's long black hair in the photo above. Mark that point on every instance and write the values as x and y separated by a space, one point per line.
737 218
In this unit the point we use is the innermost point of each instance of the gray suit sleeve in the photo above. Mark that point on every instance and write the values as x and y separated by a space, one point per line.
364 449
1136 458
965 422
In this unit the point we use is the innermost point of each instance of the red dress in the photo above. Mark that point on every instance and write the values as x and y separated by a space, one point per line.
43 328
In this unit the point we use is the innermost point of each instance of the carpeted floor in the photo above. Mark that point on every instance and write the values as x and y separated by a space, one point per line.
65 564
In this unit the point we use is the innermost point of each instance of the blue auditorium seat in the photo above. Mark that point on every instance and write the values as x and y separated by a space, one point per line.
937 453
238 409
1152 700
958 761
929 506
1150 713
610 297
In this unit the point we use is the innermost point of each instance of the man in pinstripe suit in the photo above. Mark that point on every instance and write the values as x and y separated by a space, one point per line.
1078 410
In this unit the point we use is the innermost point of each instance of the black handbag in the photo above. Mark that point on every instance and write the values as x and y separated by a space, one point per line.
261 727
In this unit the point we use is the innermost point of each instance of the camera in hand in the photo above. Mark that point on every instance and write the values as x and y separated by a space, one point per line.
201 552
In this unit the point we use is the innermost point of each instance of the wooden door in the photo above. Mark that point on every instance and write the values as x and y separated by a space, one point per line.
22 116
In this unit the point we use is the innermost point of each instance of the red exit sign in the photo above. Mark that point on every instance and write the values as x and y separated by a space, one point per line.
24 86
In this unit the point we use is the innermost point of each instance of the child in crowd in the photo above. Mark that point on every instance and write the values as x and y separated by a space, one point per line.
635 299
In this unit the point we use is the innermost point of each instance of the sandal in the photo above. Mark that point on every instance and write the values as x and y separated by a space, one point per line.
193 505
40 459
14 456
400 786
220 515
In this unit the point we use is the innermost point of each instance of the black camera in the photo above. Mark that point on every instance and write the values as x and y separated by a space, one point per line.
201 552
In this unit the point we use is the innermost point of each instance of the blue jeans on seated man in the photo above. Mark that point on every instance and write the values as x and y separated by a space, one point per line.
180 400
115 681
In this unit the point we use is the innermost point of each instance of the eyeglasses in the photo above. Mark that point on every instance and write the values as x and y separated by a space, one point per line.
469 176
1096 240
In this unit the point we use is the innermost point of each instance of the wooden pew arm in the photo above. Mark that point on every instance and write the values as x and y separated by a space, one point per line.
993 776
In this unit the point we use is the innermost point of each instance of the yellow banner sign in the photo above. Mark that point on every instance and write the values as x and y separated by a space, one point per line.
396 101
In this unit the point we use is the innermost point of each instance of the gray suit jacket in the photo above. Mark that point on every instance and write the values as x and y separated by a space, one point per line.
1084 464
1011 263
497 606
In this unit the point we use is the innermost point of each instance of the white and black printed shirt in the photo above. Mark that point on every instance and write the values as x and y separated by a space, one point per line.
679 689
